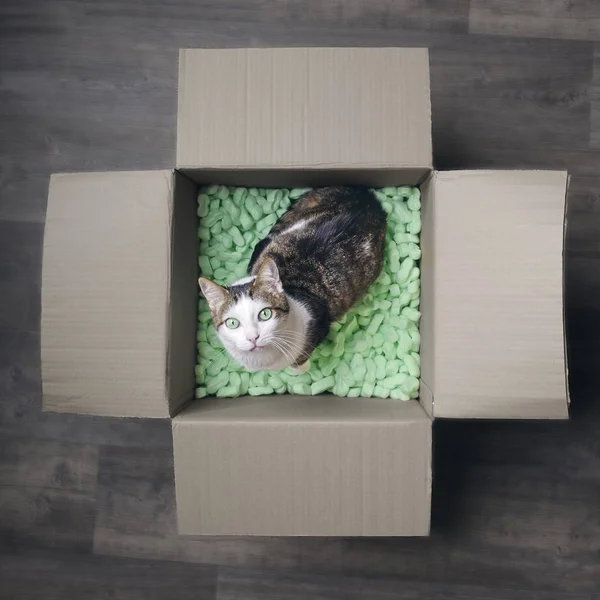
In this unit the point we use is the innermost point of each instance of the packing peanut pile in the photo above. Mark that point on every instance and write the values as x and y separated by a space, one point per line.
372 352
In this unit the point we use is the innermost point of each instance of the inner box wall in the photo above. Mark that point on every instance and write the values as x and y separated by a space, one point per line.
183 298
183 307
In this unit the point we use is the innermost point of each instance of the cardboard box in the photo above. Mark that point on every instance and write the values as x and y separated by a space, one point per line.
119 295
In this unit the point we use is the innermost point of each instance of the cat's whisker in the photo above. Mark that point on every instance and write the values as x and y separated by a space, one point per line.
290 343
292 335
283 350
290 331
297 345
284 330
299 340
293 348
285 353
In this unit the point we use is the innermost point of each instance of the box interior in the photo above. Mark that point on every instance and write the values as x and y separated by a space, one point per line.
183 311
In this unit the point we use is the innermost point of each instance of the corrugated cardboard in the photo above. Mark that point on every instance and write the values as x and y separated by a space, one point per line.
105 293
183 297
303 466
313 108
309 177
426 329
119 297
119 293
493 294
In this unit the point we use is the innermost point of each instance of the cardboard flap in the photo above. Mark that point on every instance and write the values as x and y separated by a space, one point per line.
494 346
305 107
105 289
290 465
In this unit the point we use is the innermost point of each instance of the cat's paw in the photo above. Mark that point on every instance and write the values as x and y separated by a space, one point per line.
303 368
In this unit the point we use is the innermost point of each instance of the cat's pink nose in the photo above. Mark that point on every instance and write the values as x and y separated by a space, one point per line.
253 338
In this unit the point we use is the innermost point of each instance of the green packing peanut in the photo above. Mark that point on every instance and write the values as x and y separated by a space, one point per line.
372 352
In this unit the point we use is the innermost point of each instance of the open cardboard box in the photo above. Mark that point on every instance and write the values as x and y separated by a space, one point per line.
120 296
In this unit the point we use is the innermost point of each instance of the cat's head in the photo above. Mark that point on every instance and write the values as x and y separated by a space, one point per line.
248 314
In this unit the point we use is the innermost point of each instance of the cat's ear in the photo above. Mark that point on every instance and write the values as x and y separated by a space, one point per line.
268 276
213 292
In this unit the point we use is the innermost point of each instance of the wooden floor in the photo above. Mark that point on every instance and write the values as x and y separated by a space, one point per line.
87 504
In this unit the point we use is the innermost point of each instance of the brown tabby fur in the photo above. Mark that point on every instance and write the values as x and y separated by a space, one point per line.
331 259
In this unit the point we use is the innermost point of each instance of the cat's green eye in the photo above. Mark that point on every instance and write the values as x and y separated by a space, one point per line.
265 314
232 323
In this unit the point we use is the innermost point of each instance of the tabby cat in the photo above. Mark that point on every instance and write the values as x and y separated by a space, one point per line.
316 263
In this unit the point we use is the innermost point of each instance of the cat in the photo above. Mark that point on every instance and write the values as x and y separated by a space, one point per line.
317 261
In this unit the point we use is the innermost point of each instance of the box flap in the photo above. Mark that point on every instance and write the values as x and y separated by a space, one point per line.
494 345
319 466
105 288
305 107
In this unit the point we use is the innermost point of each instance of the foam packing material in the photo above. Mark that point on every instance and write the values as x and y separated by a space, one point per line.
372 352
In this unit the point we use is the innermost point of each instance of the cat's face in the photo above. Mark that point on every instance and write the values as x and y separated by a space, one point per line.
248 316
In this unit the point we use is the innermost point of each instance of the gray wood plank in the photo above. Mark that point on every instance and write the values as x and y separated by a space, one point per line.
79 577
24 186
244 584
595 101
583 282
20 305
92 86
21 251
238 584
50 465
428 15
583 217
34 517
578 20
136 491
500 102
47 494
